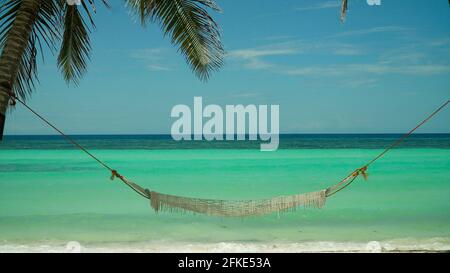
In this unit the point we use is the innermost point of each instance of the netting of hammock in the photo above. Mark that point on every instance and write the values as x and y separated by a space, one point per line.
236 208
240 208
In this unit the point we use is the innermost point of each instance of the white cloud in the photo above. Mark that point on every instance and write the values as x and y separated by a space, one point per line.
440 42
148 54
383 29
153 58
408 59
252 58
260 52
255 58
347 51
402 55
279 37
347 69
156 67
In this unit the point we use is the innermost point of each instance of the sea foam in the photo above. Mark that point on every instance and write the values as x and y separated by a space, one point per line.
398 245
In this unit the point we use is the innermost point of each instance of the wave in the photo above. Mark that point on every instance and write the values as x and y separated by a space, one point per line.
398 245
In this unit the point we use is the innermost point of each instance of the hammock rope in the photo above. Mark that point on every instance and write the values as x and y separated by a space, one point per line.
233 208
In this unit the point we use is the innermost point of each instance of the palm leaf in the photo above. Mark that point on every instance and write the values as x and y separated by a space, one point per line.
76 44
8 11
43 29
191 28
344 9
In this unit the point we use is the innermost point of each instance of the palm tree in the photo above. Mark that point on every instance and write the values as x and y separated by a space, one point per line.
64 26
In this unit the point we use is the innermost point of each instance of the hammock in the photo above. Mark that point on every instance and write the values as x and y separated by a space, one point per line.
239 208
235 208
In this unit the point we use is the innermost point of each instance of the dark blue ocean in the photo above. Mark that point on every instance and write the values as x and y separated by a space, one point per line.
287 141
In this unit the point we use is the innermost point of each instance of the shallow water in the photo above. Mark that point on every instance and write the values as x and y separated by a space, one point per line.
50 196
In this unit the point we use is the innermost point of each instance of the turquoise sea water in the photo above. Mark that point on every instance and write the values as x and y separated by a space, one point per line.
50 194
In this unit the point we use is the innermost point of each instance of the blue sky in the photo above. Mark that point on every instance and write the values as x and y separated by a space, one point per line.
381 72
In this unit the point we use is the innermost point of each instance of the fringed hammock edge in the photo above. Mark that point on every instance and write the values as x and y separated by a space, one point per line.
233 208
239 208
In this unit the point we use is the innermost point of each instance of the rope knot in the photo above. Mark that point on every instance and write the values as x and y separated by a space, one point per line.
12 97
363 171
114 174
12 100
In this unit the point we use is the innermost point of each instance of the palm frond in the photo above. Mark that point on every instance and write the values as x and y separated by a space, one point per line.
76 44
344 9
22 56
191 28
8 12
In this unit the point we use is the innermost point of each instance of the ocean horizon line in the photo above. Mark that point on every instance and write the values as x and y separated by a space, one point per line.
192 135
